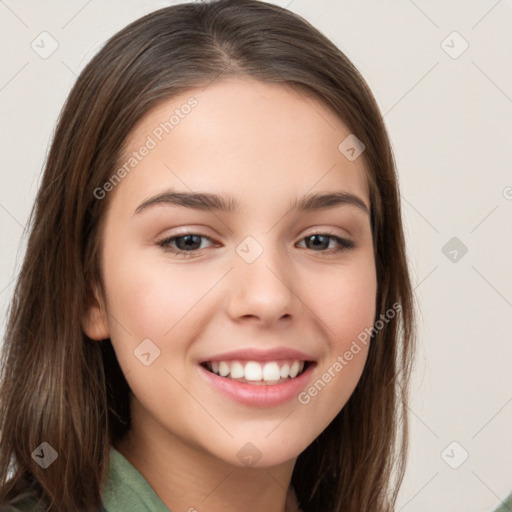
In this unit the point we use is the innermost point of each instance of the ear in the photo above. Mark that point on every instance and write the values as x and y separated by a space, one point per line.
94 322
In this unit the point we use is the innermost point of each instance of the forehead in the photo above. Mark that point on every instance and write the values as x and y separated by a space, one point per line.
244 138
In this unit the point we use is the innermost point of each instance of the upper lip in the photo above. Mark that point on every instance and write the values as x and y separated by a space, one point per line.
258 354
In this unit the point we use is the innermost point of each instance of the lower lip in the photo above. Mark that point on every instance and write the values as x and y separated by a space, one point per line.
260 396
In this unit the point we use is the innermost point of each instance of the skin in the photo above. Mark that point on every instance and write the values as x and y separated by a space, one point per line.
264 144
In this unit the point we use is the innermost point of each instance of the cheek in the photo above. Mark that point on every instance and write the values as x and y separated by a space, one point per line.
346 310
148 298
152 300
348 306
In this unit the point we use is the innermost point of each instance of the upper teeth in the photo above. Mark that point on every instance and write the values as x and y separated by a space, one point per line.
252 370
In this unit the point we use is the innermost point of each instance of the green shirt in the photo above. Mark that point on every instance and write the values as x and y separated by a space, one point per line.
506 506
126 490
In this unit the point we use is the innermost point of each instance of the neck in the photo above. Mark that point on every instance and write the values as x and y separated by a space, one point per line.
187 477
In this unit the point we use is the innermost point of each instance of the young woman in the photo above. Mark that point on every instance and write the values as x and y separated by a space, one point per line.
214 310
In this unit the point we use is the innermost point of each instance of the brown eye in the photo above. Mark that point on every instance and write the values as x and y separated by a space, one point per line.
186 244
319 242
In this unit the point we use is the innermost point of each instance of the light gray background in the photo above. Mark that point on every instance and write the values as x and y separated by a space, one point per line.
450 124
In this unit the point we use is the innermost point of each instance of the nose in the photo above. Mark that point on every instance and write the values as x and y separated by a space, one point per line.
262 289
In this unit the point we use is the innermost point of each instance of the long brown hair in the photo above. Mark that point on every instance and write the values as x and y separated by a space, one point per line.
60 387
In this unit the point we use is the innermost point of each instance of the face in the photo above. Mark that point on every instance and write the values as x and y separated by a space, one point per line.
186 286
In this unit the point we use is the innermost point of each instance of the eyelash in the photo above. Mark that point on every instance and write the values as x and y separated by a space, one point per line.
345 245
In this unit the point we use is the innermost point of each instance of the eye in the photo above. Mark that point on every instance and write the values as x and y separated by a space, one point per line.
319 240
187 245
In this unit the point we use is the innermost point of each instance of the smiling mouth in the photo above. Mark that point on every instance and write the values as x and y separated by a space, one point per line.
260 374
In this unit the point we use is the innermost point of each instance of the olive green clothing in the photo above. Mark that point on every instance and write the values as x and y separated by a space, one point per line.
126 490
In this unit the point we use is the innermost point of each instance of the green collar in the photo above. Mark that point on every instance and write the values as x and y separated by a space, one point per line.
127 489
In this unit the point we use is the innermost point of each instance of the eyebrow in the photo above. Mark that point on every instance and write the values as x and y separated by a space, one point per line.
229 204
